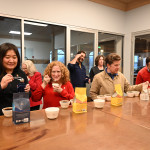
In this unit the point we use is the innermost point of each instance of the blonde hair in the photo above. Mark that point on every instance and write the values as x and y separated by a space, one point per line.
65 76
30 67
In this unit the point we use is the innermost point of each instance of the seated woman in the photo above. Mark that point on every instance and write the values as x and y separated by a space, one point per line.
35 80
10 75
55 72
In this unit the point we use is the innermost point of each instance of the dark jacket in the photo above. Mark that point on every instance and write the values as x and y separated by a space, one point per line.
77 75
6 95
94 70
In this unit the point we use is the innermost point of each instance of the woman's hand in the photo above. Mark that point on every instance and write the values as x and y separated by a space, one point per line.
27 88
5 80
46 80
57 89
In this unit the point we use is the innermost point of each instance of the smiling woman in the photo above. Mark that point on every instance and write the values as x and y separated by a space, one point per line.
56 85
9 73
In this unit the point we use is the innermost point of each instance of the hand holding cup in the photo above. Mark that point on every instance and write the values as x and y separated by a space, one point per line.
57 87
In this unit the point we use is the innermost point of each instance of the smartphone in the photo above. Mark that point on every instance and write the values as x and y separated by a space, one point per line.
20 87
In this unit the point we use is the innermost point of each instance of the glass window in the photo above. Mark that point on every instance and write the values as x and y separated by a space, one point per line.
45 43
110 43
61 56
83 41
10 31
141 51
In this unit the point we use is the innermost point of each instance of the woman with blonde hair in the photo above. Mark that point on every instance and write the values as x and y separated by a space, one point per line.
56 85
35 80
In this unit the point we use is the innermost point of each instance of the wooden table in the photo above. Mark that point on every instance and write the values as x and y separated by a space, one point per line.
133 109
110 128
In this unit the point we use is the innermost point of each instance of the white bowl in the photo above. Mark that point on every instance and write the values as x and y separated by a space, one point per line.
7 111
64 103
99 103
136 93
52 112
107 97
130 94
55 85
101 97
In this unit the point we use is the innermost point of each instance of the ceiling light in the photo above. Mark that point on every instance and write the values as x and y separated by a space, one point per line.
36 24
18 32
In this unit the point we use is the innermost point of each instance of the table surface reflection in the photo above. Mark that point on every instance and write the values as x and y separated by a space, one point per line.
110 128
133 109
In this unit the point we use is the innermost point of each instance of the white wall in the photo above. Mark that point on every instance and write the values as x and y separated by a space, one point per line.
83 13
136 20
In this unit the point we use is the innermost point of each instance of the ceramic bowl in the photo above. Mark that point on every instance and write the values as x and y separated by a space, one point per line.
55 85
101 97
64 103
52 112
99 103
136 93
107 97
7 111
130 94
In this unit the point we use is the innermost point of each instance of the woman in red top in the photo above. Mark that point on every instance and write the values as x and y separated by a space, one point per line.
55 72
35 80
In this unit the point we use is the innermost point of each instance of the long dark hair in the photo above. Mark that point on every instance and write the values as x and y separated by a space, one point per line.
4 48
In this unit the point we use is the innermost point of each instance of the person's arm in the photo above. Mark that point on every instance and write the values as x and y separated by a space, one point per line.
36 81
68 92
95 88
75 59
37 94
46 80
139 79
128 87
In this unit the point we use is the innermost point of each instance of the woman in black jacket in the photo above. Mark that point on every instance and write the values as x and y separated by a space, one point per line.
99 62
10 75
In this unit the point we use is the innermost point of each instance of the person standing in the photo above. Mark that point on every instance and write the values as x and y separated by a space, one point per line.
78 70
10 75
35 80
99 62
144 74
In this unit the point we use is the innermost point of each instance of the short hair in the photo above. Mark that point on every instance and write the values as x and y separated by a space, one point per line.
98 58
79 52
111 58
147 60
30 67
4 48
65 75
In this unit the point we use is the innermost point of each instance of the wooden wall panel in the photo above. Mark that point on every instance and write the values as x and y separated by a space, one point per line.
124 5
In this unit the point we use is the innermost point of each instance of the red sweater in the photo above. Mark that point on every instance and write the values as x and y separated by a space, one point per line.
51 98
35 82
143 76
